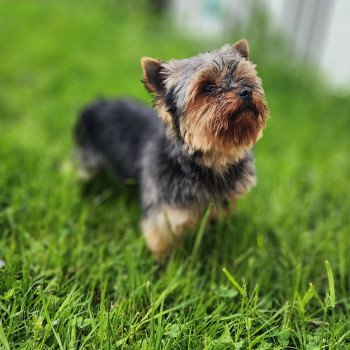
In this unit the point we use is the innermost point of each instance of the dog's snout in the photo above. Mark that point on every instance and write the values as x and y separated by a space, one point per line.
245 93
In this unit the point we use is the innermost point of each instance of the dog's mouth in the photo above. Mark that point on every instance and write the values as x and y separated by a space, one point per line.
249 110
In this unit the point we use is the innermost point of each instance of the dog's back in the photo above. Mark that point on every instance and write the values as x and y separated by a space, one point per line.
111 134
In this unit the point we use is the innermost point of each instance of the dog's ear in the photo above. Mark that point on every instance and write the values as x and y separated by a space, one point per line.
242 47
152 75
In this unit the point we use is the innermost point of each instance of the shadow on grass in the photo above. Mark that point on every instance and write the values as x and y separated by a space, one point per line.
108 189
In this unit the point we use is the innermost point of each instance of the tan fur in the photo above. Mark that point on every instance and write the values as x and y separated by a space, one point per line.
242 47
150 69
163 112
208 125
219 161
164 229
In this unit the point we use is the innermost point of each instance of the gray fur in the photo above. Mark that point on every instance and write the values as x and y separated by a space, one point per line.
179 74
130 139
166 173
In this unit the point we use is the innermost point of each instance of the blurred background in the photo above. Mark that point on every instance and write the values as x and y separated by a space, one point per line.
59 55
316 30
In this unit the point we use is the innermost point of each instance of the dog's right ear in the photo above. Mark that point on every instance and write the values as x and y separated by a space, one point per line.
152 75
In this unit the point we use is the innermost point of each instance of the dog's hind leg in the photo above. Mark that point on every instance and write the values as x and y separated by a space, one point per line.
89 163
87 156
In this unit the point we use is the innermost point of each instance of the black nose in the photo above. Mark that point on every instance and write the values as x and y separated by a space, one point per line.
245 93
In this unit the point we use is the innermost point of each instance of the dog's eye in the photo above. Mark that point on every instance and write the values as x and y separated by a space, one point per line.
208 88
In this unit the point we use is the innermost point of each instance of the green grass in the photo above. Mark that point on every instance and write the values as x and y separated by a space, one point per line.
77 274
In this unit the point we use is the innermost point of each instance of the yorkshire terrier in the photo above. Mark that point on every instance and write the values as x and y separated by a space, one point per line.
194 149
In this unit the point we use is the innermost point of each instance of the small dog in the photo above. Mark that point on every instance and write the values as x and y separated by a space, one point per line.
195 150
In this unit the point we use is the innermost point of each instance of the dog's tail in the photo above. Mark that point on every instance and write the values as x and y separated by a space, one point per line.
87 154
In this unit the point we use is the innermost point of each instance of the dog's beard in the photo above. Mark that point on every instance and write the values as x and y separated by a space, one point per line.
242 127
224 125
221 131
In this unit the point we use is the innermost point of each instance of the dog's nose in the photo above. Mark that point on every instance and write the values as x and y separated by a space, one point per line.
245 93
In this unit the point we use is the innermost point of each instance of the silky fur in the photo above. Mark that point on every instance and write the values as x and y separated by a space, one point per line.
194 150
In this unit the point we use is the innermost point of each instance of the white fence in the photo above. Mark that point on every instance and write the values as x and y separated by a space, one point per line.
319 29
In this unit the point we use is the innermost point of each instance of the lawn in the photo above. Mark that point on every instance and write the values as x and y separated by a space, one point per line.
75 272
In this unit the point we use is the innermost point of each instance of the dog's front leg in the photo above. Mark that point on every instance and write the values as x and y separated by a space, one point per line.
164 228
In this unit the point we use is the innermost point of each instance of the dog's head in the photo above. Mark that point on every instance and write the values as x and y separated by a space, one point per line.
214 102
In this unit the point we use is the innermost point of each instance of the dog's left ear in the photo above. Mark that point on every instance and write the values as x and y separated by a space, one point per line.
152 75
242 47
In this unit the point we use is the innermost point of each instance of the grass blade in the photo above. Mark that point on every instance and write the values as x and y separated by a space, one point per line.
235 283
3 339
201 229
48 319
330 283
